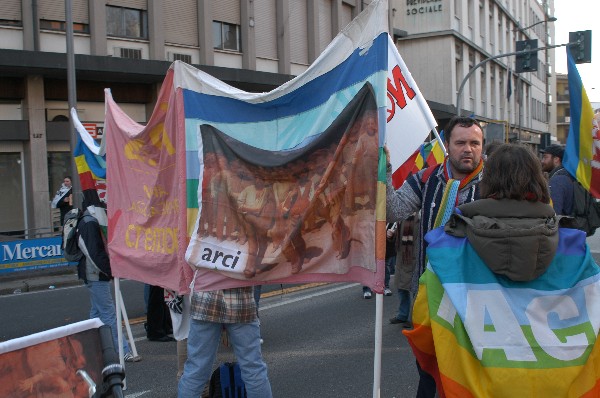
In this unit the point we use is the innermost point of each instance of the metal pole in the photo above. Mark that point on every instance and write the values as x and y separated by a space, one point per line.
462 85
72 99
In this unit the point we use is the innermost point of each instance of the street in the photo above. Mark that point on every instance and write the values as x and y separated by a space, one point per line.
318 341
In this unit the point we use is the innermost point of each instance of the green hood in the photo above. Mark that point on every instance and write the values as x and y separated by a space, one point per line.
517 239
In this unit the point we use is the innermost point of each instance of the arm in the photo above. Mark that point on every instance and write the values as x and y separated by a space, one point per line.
401 203
560 192
92 238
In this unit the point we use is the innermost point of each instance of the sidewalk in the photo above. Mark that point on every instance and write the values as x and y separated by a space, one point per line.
36 280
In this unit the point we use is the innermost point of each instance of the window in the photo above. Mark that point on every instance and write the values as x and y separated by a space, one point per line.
126 22
9 22
226 36
62 26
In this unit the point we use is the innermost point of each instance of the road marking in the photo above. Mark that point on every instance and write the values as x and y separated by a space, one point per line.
137 394
308 296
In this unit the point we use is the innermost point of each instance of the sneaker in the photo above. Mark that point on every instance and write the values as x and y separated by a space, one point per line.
367 295
395 321
261 341
130 358
387 291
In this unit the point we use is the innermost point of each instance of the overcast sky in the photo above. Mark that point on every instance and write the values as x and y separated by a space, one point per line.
573 16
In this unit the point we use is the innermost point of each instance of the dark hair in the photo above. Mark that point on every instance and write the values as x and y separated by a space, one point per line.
513 171
69 177
491 147
460 121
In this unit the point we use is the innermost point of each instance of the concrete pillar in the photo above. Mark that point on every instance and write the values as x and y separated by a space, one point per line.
248 35
283 36
313 30
36 151
205 39
30 31
156 30
98 41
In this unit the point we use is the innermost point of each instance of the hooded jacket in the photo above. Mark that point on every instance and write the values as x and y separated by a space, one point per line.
517 239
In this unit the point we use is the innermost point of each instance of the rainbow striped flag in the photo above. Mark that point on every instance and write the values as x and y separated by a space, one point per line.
582 155
90 160
429 154
482 335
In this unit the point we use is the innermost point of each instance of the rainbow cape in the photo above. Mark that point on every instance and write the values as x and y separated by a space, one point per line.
482 335
582 158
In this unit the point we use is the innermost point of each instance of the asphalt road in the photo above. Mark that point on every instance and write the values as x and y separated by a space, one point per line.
319 341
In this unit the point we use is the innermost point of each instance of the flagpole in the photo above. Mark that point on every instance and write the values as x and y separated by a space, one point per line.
378 344
440 141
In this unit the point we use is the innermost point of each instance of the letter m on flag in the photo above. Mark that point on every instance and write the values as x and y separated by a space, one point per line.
397 88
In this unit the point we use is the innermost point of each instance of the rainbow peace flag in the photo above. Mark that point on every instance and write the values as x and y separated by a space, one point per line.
427 155
582 159
482 335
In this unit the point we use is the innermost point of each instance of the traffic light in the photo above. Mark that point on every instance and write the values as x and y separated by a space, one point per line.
527 62
580 44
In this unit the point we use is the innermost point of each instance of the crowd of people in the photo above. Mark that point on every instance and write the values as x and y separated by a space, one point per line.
512 193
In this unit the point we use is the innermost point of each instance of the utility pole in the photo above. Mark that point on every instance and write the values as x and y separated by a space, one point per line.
72 99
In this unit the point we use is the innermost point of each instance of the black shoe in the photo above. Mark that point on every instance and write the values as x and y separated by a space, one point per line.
395 321
162 339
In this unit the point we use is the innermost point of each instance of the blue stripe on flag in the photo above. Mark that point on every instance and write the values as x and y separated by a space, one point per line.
358 67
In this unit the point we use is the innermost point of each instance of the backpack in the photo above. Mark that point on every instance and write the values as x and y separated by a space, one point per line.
70 246
586 210
226 382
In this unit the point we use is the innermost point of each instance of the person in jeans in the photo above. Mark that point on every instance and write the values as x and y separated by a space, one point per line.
94 269
405 262
235 311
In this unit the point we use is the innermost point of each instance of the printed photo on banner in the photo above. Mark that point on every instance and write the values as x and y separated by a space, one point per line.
50 368
269 214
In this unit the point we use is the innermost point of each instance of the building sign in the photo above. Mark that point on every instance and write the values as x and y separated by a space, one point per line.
96 130
29 254
414 7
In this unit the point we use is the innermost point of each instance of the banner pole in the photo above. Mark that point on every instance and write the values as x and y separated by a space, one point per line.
378 344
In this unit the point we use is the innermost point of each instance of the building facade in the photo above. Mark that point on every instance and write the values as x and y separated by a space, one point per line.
254 45
563 108
447 38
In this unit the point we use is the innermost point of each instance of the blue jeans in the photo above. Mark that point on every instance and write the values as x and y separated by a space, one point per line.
404 306
103 307
390 265
203 343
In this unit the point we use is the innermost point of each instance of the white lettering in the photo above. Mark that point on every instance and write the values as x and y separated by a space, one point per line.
507 334
537 312
8 255
446 311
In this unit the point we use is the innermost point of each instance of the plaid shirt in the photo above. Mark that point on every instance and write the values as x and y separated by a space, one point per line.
224 306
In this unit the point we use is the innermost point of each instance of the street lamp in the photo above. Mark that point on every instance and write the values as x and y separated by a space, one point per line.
522 30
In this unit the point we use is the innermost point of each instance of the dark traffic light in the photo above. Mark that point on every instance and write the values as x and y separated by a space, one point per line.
527 62
581 46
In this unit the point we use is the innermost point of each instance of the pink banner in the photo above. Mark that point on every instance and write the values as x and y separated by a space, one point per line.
146 210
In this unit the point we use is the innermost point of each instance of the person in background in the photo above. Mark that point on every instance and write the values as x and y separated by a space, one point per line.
235 311
405 264
435 191
390 255
63 200
94 269
561 183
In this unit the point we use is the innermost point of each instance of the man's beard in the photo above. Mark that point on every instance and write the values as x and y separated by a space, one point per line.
461 168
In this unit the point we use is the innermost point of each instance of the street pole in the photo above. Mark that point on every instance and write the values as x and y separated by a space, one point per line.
72 99
464 81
